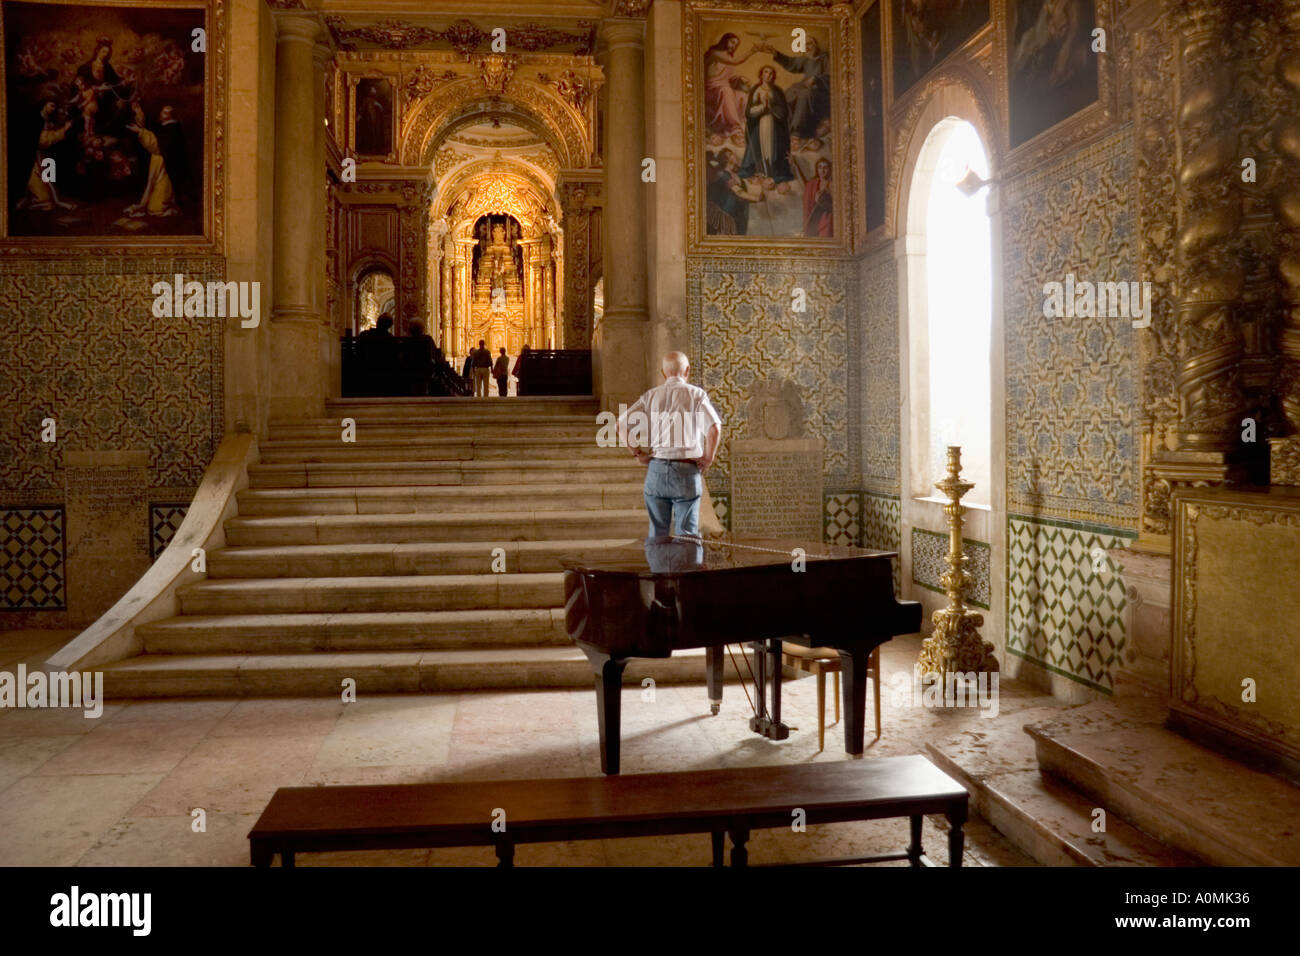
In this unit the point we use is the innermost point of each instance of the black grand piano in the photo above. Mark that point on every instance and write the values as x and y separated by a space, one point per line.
665 594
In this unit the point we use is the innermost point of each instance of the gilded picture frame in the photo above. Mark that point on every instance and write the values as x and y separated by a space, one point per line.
786 232
208 241
361 137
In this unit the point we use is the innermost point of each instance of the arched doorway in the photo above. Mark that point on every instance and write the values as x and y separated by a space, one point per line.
953 387
374 294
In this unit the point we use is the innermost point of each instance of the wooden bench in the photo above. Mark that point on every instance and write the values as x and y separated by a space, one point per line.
718 802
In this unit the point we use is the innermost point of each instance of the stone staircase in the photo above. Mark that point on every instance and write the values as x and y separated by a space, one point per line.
373 559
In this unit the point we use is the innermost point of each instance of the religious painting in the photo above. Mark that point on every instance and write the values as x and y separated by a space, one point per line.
105 120
1051 69
926 31
372 117
768 162
873 118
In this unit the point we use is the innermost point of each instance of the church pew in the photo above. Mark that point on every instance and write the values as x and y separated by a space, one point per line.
506 813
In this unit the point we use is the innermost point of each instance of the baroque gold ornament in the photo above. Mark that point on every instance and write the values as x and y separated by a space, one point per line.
955 646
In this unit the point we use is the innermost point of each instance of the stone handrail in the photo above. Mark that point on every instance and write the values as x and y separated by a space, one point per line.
112 637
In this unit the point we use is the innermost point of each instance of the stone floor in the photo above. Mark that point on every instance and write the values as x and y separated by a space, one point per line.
120 790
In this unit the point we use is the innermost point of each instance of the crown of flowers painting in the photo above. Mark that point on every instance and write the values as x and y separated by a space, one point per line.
105 115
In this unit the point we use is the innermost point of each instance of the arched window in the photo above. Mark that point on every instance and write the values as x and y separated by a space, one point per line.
951 323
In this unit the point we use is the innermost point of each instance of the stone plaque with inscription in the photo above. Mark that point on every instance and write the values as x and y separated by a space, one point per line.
108 543
776 487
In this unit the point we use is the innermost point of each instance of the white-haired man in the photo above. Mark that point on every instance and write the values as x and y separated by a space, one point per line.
675 431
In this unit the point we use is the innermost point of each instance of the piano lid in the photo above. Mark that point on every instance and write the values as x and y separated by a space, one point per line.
683 554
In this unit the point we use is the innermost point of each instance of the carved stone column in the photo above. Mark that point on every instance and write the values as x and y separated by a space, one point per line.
619 363
299 341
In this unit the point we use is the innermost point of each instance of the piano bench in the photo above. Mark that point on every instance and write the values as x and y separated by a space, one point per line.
506 813
821 661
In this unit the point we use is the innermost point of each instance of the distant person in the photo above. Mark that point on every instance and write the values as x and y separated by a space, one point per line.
418 356
501 371
377 354
467 368
482 365
519 367
681 432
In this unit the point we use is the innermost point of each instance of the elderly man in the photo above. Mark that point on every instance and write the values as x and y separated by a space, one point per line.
674 430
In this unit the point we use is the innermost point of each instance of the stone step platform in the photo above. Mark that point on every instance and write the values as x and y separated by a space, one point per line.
541 430
614 467
380 672
1041 815
1187 796
497 528
338 595
355 631
411 448
463 408
436 498
352 560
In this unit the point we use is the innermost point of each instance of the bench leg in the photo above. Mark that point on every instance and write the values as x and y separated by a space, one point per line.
914 850
739 855
719 839
714 656
259 854
956 839
505 853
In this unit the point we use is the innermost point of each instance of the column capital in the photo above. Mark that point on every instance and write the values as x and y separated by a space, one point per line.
297 27
322 52
623 32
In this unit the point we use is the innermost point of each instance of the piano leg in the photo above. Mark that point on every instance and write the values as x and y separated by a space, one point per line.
609 702
767 656
853 665
714 656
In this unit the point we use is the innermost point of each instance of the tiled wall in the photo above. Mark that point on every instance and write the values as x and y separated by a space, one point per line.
929 549
1065 603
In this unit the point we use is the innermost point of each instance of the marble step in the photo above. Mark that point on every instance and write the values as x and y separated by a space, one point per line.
463 408
342 560
321 429
1042 815
413 448
378 672
440 592
1204 804
247 633
389 474
436 498
497 528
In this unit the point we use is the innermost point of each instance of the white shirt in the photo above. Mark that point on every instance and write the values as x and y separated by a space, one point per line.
673 419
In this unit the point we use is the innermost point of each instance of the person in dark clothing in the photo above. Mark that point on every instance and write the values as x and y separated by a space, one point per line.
377 353
466 368
417 355
501 371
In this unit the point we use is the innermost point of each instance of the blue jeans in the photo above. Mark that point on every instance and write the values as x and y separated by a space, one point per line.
672 494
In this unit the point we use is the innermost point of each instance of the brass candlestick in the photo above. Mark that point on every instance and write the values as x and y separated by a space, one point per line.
955 646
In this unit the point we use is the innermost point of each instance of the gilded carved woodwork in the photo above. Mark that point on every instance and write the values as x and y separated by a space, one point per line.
1157 226
463 36
1286 202
1235 605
